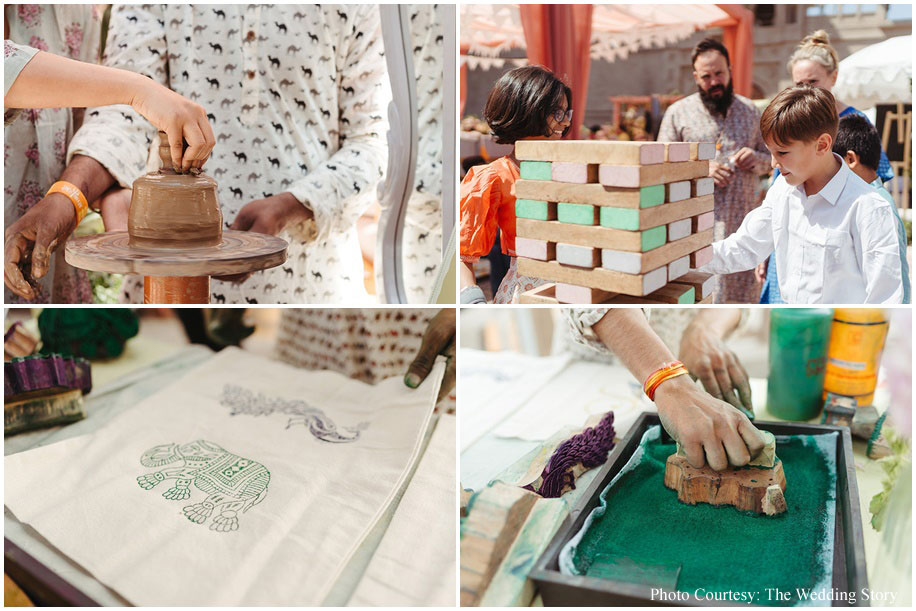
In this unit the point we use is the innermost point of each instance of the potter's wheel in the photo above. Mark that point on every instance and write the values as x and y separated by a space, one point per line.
238 252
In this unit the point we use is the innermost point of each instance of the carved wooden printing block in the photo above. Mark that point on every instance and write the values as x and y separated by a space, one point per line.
757 487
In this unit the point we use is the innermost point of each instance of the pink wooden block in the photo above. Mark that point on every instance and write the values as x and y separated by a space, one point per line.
701 257
678 151
578 173
571 293
619 175
703 221
652 153
535 249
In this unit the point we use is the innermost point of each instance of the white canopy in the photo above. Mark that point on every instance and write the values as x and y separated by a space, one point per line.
487 30
878 74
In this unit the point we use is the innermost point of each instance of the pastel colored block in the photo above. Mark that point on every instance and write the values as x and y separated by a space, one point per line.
580 256
702 284
577 214
703 221
632 219
591 151
536 210
541 295
596 236
674 293
621 261
591 193
679 229
677 151
653 238
702 150
599 278
535 170
677 191
647 175
535 249
578 173
703 186
572 293
701 257
678 268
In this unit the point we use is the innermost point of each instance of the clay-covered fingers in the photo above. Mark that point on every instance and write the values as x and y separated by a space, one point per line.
46 242
715 455
15 253
199 137
694 452
176 144
752 438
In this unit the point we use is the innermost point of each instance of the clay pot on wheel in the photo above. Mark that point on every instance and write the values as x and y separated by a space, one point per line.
173 210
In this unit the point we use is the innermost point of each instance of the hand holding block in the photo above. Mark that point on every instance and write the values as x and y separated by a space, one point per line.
744 488
766 458
591 151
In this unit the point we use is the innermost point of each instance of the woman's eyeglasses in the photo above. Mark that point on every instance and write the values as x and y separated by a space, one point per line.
559 115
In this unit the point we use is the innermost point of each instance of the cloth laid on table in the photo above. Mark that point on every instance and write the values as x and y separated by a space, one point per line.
246 482
414 565
641 533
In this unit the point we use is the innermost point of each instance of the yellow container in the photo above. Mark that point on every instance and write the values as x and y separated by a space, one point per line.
856 343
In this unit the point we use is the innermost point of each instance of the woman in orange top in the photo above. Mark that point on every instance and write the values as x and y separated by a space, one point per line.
528 103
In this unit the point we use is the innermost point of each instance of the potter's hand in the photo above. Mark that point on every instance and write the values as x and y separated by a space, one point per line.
710 431
178 117
708 359
31 240
439 338
721 175
269 215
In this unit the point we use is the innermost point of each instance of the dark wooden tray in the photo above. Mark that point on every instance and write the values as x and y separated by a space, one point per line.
557 589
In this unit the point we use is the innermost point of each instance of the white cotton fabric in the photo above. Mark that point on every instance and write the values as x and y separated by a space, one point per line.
414 565
82 495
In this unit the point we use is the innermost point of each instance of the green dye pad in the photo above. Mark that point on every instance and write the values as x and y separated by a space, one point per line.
640 532
619 218
532 209
538 170
653 238
651 196
578 214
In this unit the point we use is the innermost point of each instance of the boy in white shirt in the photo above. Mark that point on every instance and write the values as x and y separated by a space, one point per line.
835 238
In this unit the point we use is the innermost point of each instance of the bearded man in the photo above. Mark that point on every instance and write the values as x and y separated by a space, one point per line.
716 114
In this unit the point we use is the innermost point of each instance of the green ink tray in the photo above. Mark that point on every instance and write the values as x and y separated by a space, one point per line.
558 589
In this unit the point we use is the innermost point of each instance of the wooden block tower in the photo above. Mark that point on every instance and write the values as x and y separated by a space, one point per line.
615 222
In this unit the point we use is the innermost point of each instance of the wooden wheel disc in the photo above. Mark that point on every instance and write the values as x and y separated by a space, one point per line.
239 252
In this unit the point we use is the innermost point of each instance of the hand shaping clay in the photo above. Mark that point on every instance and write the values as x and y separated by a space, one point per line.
172 210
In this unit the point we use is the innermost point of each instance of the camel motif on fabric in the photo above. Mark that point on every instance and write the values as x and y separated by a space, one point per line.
233 484
243 401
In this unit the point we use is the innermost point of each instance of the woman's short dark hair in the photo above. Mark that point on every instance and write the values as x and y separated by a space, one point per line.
521 102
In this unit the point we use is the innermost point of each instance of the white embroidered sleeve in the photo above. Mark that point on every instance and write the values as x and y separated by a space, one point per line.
580 322
117 136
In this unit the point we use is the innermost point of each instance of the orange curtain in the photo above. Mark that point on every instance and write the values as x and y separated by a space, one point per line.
738 38
558 36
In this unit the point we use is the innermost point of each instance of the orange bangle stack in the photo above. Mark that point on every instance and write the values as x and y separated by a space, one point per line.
666 372
74 194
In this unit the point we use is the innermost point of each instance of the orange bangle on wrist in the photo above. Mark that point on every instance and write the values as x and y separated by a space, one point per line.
74 194
666 372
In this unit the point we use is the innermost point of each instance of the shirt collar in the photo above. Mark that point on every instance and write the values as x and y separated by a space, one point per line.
832 190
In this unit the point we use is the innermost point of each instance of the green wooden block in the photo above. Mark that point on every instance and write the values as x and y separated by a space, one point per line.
619 218
533 209
688 298
651 196
653 238
578 214
541 170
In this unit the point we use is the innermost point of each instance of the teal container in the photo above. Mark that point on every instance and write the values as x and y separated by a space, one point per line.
799 338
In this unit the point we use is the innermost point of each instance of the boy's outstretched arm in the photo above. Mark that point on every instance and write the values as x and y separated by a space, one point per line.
744 249
875 236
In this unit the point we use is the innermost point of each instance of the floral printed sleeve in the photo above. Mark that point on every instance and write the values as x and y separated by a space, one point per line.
329 189
15 57
117 136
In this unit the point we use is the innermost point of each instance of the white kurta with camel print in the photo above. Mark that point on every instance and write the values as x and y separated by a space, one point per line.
296 96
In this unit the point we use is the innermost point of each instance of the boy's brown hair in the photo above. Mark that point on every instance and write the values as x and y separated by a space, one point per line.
799 114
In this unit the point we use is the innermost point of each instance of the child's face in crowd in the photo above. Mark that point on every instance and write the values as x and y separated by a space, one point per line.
798 161
807 73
